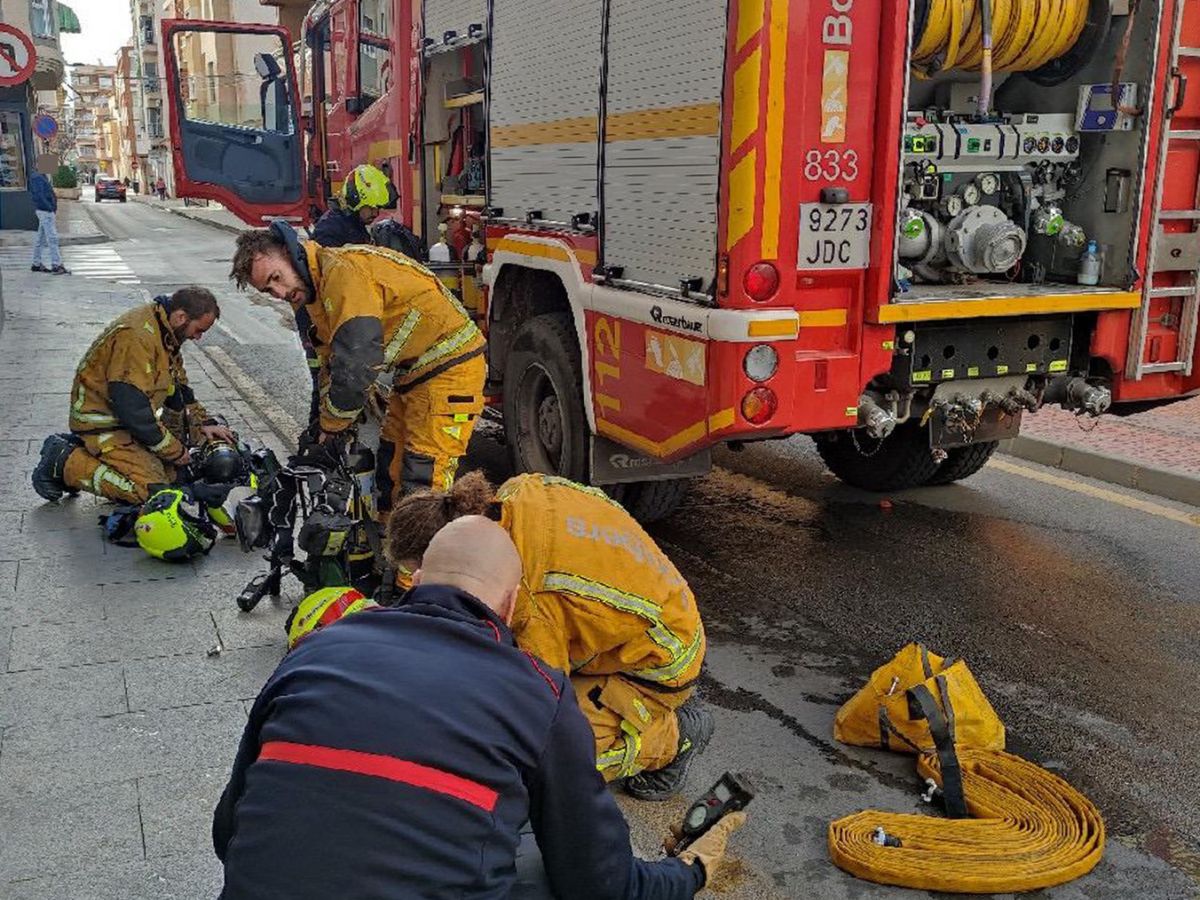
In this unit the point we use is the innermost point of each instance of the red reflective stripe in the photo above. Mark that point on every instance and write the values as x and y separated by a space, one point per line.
380 766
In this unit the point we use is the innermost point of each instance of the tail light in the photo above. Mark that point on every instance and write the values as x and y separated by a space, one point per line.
759 405
761 281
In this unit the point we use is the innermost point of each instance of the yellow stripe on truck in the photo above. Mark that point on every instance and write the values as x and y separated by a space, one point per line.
927 311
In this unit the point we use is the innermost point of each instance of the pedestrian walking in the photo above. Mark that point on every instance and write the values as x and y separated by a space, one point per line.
45 205
160 188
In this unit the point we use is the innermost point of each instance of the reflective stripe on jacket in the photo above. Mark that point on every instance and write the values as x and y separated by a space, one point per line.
375 309
599 597
131 373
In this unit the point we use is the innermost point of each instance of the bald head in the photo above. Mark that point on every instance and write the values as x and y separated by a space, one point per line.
475 555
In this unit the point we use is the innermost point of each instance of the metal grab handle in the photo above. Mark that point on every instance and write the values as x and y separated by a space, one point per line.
1181 82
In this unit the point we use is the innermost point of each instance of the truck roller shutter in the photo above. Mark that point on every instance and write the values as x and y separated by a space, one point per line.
544 107
453 15
662 138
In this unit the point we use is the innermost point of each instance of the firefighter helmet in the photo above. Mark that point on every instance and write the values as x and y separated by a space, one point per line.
173 526
368 186
220 463
321 608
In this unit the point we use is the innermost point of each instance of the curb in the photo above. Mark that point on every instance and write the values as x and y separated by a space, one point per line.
1111 468
78 239
100 237
184 213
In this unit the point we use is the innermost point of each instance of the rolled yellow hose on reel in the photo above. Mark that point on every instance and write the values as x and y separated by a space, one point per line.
1025 828
1026 34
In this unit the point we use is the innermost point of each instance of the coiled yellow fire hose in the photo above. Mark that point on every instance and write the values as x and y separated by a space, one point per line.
1012 825
1026 34
1029 829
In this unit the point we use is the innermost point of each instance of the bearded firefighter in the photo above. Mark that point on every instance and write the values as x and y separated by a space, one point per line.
374 311
132 412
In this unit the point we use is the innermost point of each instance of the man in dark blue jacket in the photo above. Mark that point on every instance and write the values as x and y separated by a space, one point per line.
397 753
45 206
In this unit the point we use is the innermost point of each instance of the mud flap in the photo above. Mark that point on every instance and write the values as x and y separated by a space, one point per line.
612 463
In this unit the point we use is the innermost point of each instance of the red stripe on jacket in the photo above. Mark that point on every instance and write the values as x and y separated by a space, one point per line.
378 765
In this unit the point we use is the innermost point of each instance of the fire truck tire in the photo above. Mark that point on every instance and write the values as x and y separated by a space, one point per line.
544 421
963 462
903 460
649 501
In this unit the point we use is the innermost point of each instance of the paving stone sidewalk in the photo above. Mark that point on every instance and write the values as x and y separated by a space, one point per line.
1155 450
117 727
75 226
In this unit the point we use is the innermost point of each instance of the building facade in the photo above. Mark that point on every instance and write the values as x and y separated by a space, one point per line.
40 20
92 87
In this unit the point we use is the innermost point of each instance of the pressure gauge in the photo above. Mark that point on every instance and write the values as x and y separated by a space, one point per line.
970 195
952 206
988 183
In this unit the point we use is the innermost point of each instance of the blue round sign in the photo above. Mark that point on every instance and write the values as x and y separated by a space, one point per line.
45 127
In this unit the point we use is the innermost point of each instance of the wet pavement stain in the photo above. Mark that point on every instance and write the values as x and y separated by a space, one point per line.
1083 653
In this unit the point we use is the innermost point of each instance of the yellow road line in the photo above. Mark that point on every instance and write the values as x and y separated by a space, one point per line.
1099 493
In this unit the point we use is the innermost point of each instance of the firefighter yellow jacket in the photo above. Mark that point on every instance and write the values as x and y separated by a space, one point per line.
132 378
374 310
598 596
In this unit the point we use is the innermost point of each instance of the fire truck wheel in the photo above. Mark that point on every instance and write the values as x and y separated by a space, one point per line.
543 399
902 460
649 501
963 462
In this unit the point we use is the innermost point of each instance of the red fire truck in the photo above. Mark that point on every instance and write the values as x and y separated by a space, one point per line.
895 227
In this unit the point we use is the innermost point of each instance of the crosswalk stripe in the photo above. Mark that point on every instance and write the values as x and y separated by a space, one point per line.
93 262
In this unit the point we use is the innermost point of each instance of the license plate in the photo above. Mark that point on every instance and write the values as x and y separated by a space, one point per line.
835 236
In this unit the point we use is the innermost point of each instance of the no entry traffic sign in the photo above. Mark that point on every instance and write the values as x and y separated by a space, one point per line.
17 56
45 126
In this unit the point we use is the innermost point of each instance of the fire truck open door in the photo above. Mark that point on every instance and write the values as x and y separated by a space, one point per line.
235 118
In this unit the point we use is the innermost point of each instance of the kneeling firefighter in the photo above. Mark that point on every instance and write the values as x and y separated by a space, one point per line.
377 310
131 406
599 601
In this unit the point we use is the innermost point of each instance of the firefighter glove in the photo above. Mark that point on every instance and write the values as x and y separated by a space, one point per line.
709 849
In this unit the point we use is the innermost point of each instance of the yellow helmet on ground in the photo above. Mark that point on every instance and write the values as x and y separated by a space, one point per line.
173 526
321 608
368 186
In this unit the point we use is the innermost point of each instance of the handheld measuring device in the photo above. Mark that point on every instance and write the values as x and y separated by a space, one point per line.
731 793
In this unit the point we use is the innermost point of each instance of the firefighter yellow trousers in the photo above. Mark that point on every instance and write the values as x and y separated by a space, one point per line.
115 466
426 430
635 726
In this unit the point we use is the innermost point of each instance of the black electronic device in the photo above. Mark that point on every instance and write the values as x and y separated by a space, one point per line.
731 793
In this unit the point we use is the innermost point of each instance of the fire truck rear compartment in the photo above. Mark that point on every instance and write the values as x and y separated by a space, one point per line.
1008 178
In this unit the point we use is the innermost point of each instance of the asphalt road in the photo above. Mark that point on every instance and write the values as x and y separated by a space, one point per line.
1076 604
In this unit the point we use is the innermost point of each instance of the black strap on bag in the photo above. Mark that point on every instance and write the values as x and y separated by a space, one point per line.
922 705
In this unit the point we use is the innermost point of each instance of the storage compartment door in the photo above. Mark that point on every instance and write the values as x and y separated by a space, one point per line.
458 16
662 152
544 96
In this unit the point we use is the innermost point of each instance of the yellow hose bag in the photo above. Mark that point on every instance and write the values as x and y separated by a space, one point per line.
883 713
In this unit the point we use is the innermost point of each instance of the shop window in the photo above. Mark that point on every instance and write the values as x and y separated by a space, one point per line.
12 151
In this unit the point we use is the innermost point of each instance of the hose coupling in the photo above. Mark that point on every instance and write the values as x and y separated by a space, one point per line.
1079 395
883 839
878 421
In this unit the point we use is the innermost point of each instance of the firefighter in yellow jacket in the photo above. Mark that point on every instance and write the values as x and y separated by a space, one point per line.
130 401
375 310
600 601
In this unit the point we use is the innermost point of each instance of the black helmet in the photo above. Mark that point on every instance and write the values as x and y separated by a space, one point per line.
220 463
